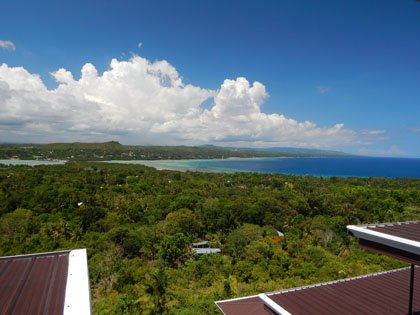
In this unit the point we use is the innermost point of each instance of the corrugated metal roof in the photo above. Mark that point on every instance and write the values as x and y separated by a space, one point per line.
202 243
390 251
399 240
380 293
54 283
201 251
244 306
407 230
33 284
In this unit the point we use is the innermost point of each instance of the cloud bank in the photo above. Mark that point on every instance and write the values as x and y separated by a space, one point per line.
142 102
392 151
7 45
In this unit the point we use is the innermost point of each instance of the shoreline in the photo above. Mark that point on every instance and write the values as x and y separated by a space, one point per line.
318 167
31 162
179 165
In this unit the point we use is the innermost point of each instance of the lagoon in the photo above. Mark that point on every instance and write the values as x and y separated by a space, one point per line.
325 166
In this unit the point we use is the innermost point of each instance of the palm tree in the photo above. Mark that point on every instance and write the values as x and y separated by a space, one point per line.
157 289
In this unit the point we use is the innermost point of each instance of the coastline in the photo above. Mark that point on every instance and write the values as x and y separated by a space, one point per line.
183 165
32 162
299 166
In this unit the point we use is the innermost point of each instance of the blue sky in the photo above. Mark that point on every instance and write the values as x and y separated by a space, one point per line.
331 74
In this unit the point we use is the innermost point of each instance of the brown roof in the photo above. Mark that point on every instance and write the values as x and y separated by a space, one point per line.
380 293
387 292
399 240
33 284
251 305
407 230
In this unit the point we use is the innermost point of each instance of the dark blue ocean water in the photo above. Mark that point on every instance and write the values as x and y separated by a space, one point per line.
360 167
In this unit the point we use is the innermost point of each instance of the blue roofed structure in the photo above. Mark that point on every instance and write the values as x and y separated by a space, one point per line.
202 251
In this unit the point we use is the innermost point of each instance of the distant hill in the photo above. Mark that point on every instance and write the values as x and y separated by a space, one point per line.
304 151
111 145
298 151
113 150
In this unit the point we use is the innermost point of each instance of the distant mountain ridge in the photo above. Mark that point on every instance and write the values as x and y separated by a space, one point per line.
308 151
113 150
303 150
110 145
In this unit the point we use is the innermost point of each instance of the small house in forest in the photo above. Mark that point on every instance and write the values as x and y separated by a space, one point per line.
202 244
202 248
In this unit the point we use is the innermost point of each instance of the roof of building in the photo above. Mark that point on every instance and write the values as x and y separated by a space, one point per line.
384 292
201 251
379 293
45 283
399 240
202 243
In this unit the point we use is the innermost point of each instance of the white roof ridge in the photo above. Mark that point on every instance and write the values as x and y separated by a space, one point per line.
35 254
369 275
272 305
383 224
383 238
77 297
316 285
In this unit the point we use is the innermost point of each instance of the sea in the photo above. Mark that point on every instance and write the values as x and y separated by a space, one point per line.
322 166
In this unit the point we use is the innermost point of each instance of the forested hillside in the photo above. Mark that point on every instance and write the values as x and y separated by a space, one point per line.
115 151
138 224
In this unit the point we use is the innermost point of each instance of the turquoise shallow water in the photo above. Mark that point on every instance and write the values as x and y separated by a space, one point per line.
180 165
344 167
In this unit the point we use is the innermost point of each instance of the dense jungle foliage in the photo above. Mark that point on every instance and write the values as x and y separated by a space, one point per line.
138 224
115 151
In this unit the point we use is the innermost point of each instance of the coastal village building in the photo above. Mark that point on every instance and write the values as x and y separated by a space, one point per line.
55 283
390 292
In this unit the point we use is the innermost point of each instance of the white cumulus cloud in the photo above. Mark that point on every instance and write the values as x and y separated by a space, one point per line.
7 45
142 102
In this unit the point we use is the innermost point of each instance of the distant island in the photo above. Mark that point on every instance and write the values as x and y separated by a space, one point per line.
113 150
